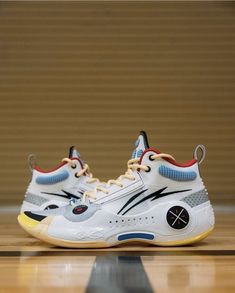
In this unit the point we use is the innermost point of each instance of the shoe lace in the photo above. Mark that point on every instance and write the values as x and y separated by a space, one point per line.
84 171
132 165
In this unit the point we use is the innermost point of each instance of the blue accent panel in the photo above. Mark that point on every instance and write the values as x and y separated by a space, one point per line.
177 175
139 153
52 179
133 154
136 236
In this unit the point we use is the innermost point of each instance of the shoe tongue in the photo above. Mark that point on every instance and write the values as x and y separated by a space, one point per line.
73 153
141 145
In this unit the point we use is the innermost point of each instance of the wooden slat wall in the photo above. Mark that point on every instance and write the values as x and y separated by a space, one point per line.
95 73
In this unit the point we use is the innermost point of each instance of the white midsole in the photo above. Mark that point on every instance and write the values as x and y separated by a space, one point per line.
201 220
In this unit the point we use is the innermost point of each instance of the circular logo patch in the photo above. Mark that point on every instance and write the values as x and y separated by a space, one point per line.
177 217
80 209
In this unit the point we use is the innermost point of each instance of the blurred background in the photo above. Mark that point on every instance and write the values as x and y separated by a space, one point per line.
93 74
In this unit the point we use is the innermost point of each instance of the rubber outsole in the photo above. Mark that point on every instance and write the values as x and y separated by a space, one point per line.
39 230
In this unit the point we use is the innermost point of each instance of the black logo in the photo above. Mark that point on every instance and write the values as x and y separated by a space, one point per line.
177 217
51 207
80 209
65 195
153 196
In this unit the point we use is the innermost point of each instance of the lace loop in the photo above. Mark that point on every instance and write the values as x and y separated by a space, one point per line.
84 171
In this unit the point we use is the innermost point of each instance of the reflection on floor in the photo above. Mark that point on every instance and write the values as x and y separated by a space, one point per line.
27 265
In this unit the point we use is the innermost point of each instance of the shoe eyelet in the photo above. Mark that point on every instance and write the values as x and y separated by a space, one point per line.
76 175
149 169
150 158
74 166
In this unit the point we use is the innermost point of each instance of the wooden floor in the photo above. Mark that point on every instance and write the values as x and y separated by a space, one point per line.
28 265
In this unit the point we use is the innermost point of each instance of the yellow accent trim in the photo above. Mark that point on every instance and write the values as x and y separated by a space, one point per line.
27 221
186 241
103 244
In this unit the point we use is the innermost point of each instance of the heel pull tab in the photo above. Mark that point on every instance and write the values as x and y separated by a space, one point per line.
202 149
31 162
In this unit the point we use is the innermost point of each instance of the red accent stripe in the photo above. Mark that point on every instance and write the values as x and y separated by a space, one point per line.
37 168
173 162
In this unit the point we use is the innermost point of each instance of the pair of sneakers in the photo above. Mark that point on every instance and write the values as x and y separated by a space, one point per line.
157 201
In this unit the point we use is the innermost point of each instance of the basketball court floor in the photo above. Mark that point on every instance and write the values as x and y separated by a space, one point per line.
28 265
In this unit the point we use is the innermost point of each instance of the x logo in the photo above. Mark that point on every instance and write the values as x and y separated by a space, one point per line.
177 217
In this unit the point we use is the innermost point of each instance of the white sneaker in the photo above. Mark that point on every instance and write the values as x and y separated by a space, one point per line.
157 201
55 188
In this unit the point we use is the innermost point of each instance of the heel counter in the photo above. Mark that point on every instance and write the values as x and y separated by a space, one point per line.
197 198
201 183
